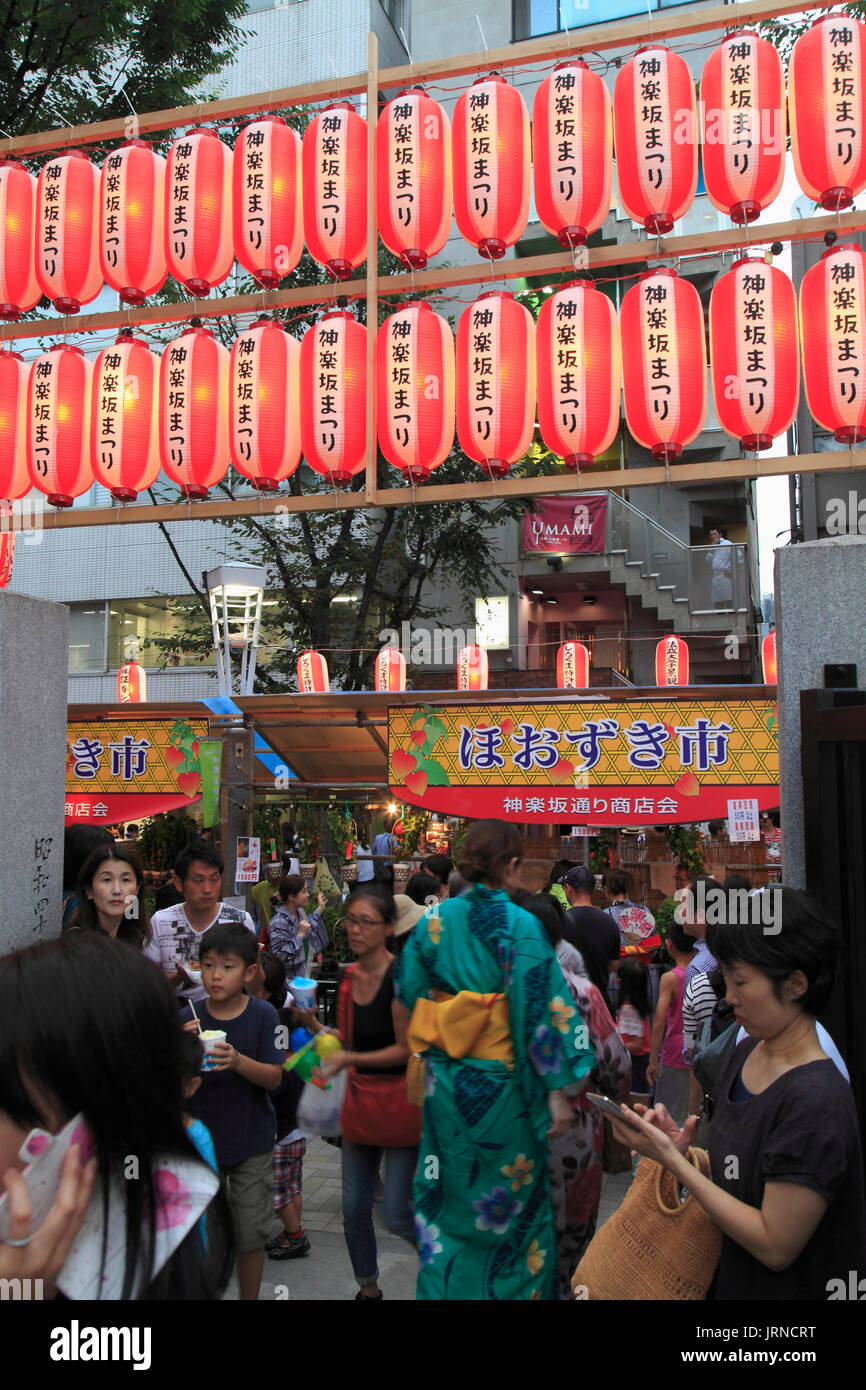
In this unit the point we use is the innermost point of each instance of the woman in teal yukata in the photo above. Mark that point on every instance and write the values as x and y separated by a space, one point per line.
501 1042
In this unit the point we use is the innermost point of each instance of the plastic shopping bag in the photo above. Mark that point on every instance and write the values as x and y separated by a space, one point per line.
319 1107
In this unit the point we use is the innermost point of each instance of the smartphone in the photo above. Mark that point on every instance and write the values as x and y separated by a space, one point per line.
609 1107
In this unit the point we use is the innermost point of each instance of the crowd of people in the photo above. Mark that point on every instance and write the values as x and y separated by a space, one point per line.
474 1026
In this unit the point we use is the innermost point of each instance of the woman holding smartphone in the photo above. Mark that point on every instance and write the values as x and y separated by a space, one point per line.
787 1177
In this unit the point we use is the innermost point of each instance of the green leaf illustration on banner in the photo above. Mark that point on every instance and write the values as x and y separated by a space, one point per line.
435 772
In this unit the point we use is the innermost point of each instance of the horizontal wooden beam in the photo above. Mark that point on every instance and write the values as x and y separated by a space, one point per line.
713 471
616 253
627 33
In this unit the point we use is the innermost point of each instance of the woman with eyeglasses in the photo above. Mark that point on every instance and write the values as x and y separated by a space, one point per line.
376 1117
503 1045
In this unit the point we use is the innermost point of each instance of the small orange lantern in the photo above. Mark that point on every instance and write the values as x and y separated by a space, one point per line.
827 110
744 125
754 352
655 133
579 373
193 411
415 352
572 152
198 211
14 473
665 373
572 666
67 231
492 156
312 669
333 368
768 658
124 437
335 189
413 177
58 424
496 381
19 288
132 684
390 669
266 201
264 388
832 308
132 205
472 669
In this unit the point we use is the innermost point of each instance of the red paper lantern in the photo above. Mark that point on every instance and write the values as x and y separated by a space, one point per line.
672 662
132 684
415 352
491 147
7 550
124 437
335 175
198 211
827 110
19 288
390 669
265 394
744 126
655 132
768 658
266 201
572 152
754 352
572 666
312 674
132 203
14 473
58 424
579 373
832 315
472 669
67 231
334 396
665 371
413 177
193 411
496 377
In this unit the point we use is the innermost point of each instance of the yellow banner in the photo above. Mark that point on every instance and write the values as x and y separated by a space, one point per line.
145 756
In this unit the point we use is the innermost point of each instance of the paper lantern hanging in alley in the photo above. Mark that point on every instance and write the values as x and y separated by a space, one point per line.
124 437
743 125
14 473
333 368
312 671
768 659
754 352
132 684
335 177
832 324
655 135
390 669
265 404
672 662
572 667
579 373
495 381
665 372
198 211
58 424
193 411
827 110
415 370
492 157
472 669
267 212
19 287
413 177
572 152
132 214
67 231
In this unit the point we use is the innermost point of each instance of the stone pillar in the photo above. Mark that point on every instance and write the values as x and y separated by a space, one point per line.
34 660
820 619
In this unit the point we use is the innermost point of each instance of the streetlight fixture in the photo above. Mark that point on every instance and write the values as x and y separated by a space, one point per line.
236 593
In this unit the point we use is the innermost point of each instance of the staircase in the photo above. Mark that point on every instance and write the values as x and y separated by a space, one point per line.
671 577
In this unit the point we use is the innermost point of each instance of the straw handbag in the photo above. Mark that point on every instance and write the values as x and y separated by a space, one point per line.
654 1246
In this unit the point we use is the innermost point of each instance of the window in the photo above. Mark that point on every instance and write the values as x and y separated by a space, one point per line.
533 18
134 623
87 636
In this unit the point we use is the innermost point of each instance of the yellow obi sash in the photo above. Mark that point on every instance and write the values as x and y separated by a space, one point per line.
463 1025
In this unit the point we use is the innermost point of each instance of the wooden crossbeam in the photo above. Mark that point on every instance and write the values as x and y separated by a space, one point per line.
479 273
277 504
625 33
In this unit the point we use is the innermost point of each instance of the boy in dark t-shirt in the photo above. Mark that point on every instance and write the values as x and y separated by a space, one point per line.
233 1099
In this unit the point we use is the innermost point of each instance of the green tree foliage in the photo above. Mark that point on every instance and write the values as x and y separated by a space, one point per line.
783 33
65 61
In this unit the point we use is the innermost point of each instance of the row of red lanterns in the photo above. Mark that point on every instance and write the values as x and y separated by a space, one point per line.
572 667
191 216
64 422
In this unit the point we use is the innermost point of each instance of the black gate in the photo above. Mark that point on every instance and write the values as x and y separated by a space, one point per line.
834 825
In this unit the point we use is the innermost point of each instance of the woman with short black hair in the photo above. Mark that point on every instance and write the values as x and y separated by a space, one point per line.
787 1176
